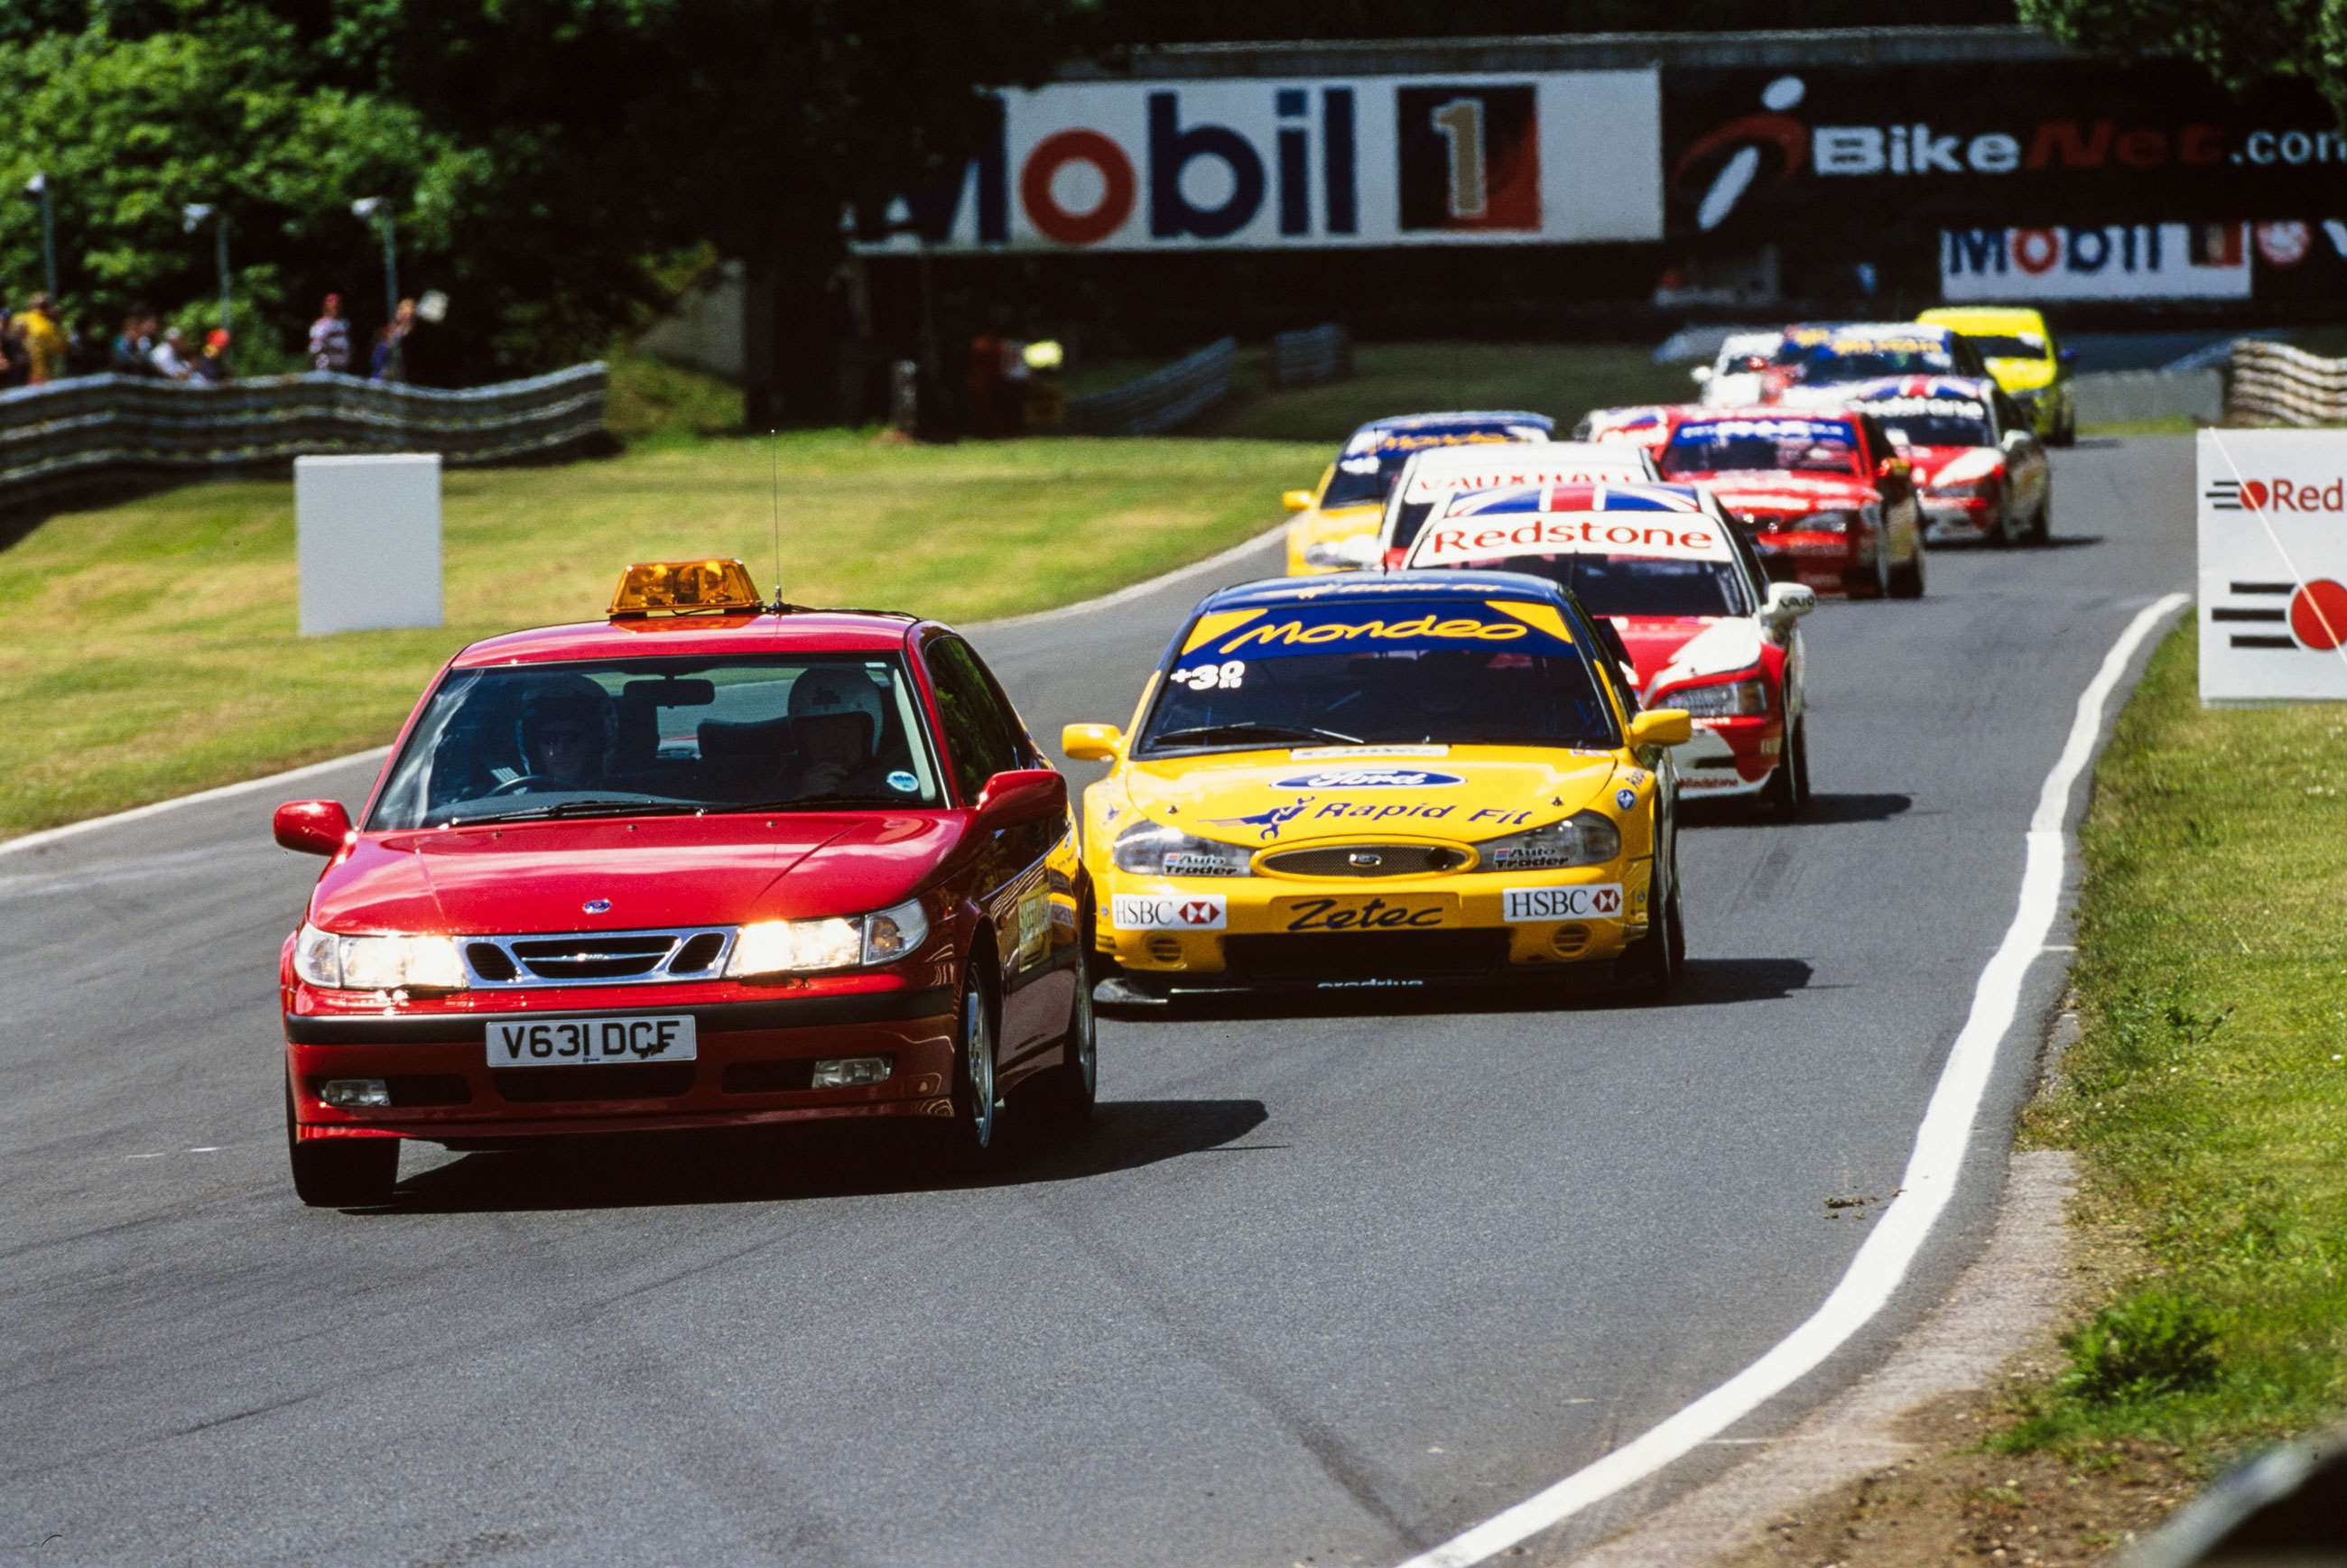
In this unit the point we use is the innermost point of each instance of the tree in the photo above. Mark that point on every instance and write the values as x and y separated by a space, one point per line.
2242 42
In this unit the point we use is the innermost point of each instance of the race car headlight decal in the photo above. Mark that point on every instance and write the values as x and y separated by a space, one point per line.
798 946
1825 523
1349 553
1724 700
1156 850
1584 838
376 963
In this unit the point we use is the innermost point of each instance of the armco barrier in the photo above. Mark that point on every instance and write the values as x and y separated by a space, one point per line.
1165 399
100 428
2126 397
1309 358
2274 383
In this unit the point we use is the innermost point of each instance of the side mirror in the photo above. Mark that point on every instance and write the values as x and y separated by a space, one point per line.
1701 374
311 827
1295 500
1894 469
2067 356
1788 601
1019 796
1661 727
1091 743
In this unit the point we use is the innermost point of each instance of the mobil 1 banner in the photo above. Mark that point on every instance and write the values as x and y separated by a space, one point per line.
2304 258
1768 153
1540 157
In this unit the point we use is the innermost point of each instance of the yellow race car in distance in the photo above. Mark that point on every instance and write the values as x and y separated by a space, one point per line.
2032 368
1384 782
1338 530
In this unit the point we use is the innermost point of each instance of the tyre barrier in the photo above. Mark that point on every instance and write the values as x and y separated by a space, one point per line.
2274 383
98 429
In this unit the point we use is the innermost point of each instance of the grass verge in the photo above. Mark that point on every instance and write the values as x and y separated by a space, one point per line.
2208 1092
157 647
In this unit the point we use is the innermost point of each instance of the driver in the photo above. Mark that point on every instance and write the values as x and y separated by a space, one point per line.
564 729
835 717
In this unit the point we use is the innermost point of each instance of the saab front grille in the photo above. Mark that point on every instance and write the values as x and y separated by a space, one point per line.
596 958
1366 860
1457 955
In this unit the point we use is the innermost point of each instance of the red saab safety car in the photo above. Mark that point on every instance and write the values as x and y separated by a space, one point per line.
705 863
1703 628
1976 460
1824 490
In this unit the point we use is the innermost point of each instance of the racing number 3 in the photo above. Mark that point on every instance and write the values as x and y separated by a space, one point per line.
1460 123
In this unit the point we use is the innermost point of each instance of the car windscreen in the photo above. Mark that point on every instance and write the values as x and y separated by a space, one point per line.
662 737
1372 460
1372 670
2017 345
1933 421
1789 445
1629 585
1830 364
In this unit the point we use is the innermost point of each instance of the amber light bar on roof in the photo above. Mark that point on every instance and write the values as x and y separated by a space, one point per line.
685 588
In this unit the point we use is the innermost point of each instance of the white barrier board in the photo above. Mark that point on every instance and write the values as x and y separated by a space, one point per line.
367 535
2273 566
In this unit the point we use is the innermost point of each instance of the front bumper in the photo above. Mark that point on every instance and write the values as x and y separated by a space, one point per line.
1957 519
754 1060
1823 561
1321 544
1359 933
1729 756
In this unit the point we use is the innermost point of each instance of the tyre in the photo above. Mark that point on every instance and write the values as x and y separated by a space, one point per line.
2066 433
1872 580
1649 968
340 1173
1907 581
2041 527
977 1118
1074 1085
1787 795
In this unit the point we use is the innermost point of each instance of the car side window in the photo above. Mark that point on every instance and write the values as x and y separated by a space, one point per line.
981 733
2008 415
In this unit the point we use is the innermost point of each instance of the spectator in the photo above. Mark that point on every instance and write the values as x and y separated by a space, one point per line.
169 360
13 365
387 360
131 349
330 337
90 346
213 366
45 344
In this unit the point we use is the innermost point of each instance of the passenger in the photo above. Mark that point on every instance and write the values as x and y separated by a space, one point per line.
565 730
836 717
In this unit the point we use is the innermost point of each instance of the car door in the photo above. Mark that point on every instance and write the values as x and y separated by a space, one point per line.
1902 518
2025 469
984 737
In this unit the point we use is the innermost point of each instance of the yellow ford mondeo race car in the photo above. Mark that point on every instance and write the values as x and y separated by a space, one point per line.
1336 530
2021 355
1384 781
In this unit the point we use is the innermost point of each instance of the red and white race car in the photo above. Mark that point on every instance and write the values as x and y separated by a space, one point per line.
1826 493
1433 476
1976 460
1703 628
1646 425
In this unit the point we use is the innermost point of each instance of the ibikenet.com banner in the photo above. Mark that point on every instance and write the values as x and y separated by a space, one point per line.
2273 566
1768 154
1543 158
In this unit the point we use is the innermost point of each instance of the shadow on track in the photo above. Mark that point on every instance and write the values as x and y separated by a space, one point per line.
1704 982
792 1165
1823 811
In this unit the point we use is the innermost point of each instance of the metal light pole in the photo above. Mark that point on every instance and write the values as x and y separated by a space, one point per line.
365 209
39 186
193 214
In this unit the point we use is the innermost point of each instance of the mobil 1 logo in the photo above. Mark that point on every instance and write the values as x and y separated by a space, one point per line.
1468 156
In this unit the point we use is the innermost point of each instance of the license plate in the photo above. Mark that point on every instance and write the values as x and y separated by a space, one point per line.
1367 912
569 1041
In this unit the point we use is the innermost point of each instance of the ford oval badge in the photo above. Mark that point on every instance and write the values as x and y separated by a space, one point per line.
597 906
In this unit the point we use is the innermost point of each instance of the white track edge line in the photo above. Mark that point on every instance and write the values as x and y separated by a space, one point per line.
156 808
1122 595
1883 1261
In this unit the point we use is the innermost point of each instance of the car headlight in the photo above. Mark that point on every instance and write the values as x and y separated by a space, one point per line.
858 942
1726 699
376 963
1156 850
1825 523
1584 838
1352 553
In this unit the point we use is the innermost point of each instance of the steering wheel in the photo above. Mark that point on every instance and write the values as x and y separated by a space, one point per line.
526 781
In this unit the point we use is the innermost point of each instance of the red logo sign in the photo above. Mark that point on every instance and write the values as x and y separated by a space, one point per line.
1199 912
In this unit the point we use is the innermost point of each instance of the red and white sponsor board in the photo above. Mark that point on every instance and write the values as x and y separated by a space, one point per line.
2273 566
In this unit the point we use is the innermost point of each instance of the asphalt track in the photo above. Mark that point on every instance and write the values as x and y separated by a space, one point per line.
1325 1285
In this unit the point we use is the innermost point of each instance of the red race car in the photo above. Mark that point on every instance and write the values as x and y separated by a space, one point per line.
1677 578
706 863
1826 493
1979 466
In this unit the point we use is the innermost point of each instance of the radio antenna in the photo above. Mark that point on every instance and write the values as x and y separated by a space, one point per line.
774 456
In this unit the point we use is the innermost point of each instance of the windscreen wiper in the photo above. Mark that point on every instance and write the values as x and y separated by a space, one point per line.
589 808
1252 730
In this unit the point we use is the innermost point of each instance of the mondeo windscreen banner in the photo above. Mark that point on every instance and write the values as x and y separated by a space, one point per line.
1545 156
1935 147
